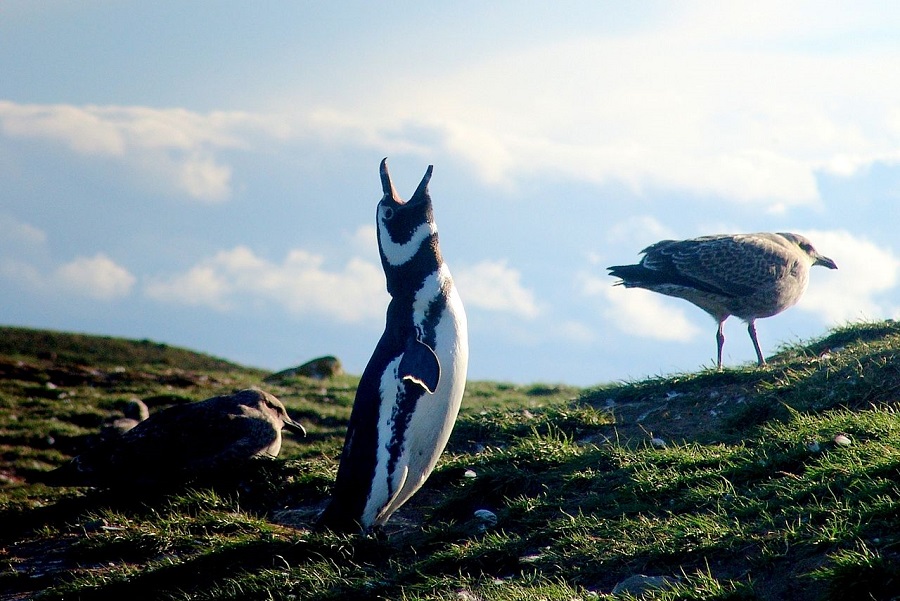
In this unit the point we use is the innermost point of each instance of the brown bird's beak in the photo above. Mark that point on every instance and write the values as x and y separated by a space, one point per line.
825 262
294 426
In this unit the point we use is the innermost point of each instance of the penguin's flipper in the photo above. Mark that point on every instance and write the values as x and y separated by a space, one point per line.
420 365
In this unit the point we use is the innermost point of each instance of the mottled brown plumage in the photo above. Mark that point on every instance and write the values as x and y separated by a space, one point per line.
749 276
184 442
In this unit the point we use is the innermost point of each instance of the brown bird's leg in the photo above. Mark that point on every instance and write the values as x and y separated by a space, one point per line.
751 328
720 342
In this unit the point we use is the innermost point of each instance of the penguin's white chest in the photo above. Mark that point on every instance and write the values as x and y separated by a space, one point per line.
412 436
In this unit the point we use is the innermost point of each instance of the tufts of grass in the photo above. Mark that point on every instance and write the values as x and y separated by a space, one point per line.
771 483
861 572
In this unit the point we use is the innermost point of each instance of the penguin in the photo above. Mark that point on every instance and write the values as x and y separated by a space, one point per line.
410 391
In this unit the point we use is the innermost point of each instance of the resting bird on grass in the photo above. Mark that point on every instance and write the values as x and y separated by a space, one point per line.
184 442
746 275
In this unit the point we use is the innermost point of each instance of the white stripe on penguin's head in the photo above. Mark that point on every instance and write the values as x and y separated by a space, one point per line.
403 226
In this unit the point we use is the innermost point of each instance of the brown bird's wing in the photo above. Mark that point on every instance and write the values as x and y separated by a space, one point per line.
732 266
196 437
231 440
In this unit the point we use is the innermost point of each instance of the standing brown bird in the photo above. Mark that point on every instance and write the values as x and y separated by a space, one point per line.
746 275
183 442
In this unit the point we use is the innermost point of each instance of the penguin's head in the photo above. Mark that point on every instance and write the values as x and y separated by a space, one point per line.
406 230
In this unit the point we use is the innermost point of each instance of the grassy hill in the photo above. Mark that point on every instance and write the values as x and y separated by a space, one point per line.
773 483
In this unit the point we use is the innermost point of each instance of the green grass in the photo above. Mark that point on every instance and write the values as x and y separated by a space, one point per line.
731 485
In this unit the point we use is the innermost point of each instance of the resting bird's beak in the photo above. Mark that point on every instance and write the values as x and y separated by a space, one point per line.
294 426
825 262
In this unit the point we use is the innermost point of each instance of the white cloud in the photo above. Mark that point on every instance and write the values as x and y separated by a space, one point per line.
708 99
640 312
81 129
175 146
97 277
364 240
15 232
202 286
494 286
300 284
23 273
202 177
703 117
575 331
641 229
865 271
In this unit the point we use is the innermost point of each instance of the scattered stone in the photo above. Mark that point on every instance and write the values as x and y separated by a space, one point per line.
94 525
134 412
321 368
486 519
842 440
533 558
658 443
639 585
470 474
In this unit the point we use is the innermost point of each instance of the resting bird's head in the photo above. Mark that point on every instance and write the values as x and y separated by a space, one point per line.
806 246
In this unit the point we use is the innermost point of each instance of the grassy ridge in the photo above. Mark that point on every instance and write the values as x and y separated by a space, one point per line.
774 483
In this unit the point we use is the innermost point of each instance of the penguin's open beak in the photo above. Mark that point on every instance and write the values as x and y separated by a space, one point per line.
421 194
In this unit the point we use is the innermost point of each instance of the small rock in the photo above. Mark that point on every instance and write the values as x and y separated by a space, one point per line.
639 584
470 474
134 410
486 519
321 368
813 446
94 525
658 443
842 440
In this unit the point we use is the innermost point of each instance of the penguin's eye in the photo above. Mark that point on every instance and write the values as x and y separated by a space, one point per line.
388 213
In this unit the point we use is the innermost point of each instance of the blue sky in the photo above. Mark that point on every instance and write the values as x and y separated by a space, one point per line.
205 174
